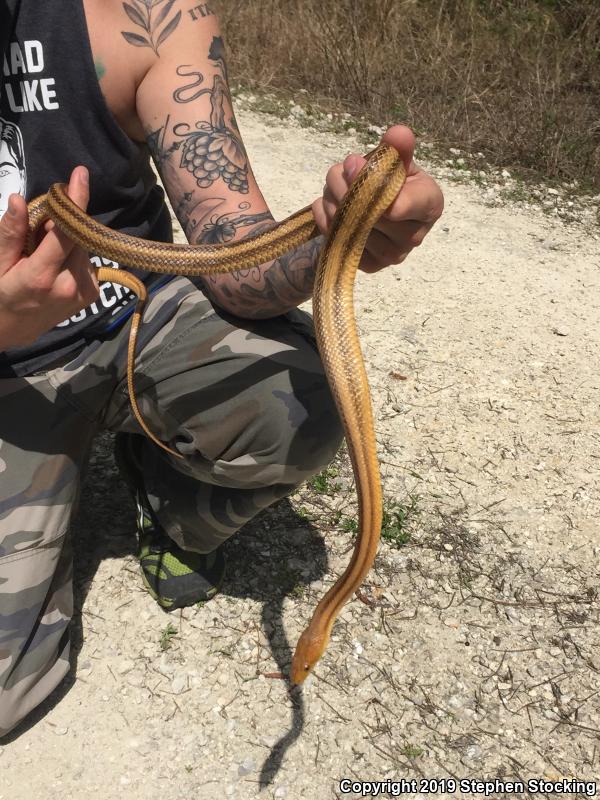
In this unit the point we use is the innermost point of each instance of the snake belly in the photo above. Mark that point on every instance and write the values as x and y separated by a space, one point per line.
372 192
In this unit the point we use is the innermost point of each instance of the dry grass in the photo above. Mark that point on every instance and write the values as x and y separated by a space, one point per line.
519 81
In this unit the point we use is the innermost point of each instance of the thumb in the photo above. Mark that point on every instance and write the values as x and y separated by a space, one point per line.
403 139
13 232
352 166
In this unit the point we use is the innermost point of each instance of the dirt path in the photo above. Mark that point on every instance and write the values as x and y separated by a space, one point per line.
477 653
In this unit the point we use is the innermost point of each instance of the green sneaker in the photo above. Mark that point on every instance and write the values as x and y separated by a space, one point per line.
174 577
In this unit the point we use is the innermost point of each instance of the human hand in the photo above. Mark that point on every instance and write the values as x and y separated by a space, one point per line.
54 282
406 222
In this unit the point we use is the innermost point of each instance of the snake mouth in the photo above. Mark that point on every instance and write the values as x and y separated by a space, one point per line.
300 672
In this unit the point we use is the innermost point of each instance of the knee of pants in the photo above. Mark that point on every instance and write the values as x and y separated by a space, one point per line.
300 428
282 429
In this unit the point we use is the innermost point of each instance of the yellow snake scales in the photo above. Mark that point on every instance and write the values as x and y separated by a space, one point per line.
371 193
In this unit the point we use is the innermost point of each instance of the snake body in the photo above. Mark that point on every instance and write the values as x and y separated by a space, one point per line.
370 195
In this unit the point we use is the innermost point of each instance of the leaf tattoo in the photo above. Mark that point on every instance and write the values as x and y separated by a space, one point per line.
141 13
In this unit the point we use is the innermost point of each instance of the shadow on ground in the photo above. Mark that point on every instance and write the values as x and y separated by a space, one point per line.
275 555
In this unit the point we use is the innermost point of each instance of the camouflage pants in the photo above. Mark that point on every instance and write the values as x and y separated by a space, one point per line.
245 402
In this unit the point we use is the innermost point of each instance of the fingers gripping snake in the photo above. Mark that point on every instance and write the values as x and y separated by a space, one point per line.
371 193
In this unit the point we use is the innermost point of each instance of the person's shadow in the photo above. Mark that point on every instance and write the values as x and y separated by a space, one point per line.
97 536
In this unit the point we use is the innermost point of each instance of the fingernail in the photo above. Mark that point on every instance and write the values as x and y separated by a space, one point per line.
11 210
351 168
85 177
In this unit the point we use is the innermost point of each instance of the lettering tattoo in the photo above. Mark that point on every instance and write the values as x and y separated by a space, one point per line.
200 11
142 13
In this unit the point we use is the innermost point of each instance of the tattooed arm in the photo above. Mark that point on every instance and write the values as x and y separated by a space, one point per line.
185 107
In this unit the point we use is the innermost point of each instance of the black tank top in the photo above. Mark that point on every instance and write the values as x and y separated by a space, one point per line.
53 116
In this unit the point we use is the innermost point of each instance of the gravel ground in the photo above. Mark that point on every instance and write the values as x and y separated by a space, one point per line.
474 648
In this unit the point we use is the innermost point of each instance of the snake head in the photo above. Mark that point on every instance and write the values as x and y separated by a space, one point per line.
309 650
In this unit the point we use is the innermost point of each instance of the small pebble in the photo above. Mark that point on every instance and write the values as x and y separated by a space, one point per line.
85 669
179 684
548 244
473 754
247 766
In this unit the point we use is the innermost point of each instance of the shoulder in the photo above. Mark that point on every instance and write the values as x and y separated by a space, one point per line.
132 39
144 30
109 27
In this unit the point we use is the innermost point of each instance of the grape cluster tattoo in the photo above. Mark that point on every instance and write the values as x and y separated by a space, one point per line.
214 150
211 149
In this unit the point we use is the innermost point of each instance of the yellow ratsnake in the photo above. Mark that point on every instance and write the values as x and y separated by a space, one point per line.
370 195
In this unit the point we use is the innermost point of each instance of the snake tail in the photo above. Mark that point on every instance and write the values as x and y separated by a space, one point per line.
39 211
135 285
